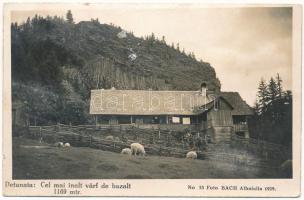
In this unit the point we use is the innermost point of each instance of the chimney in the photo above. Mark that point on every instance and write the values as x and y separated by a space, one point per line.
204 89
204 93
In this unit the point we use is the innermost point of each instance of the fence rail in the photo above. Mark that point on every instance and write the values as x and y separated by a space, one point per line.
160 142
53 134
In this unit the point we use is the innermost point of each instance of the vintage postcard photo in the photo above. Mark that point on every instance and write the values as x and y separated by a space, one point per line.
145 99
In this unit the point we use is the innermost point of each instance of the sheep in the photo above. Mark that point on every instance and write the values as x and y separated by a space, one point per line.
110 137
126 151
58 144
138 148
67 145
116 139
191 155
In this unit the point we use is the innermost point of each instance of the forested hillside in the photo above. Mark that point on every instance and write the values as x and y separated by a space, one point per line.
272 120
56 62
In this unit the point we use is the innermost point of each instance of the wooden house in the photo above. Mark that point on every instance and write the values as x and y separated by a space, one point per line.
218 114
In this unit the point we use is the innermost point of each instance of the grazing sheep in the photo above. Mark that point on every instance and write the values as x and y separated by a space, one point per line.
138 148
126 151
191 155
58 144
67 145
110 137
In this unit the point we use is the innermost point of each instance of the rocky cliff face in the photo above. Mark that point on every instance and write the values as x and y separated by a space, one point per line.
71 59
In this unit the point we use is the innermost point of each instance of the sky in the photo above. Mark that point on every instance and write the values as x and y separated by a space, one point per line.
243 44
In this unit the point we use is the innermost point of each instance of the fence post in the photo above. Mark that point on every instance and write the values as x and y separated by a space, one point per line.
40 134
90 141
167 141
57 127
169 138
159 133
135 133
152 137
160 149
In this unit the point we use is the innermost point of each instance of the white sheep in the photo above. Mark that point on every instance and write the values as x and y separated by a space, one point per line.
138 148
58 144
191 155
109 137
67 145
126 151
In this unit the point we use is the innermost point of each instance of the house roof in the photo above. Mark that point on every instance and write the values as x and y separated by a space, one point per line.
210 105
240 107
147 102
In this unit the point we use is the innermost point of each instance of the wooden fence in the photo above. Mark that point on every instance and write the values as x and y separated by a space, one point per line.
163 137
63 133
162 143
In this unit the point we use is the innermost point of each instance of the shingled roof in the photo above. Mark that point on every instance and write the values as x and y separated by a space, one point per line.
240 107
146 102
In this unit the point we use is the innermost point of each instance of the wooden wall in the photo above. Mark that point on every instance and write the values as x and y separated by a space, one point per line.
222 134
220 117
220 122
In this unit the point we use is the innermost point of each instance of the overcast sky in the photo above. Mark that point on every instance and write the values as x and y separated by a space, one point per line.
242 44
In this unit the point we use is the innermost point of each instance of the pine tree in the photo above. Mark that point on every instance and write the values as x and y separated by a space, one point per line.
192 55
262 96
163 40
272 91
279 85
255 123
172 46
28 22
256 108
69 17
273 113
152 37
273 108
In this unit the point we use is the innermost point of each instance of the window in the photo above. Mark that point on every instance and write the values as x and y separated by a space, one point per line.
186 120
240 133
113 121
239 119
139 121
175 120
103 119
124 119
155 120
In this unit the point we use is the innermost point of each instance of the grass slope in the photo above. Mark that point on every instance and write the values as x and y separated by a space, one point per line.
33 160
